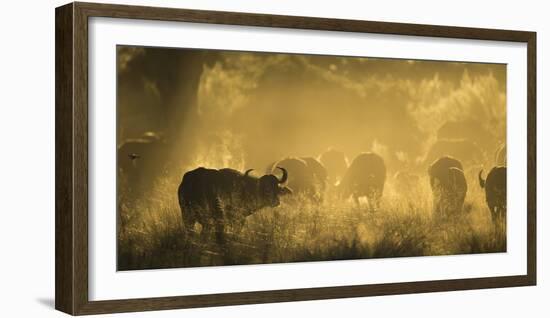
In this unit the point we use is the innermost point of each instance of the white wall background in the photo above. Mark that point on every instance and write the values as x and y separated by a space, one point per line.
27 158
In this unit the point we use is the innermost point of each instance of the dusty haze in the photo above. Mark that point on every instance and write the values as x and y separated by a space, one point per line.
180 109
263 106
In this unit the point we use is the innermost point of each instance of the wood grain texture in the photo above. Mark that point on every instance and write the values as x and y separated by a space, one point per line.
165 303
80 146
297 22
532 158
72 157
64 235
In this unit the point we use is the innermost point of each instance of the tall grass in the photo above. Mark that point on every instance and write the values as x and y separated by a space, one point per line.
150 233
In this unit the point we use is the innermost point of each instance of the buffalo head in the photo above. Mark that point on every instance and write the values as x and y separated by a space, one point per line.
271 188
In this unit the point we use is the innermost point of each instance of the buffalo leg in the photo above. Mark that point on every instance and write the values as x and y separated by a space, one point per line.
356 200
374 201
219 223
205 232
371 198
188 228
188 221
499 222
220 232
438 207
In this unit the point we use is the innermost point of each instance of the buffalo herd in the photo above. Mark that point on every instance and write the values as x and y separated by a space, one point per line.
226 197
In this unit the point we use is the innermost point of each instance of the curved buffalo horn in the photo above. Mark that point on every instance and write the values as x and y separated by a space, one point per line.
285 175
247 172
481 181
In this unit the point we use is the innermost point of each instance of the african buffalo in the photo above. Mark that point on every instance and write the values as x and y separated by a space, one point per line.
448 185
336 164
365 177
302 177
495 192
226 197
320 176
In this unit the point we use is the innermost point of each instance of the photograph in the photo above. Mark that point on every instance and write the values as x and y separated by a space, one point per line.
239 158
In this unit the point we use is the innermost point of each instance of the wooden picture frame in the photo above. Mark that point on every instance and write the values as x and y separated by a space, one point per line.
72 280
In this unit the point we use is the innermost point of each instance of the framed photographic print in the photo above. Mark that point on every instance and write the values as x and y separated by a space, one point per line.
218 158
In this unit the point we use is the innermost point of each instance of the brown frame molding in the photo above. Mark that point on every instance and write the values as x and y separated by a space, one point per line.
71 141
